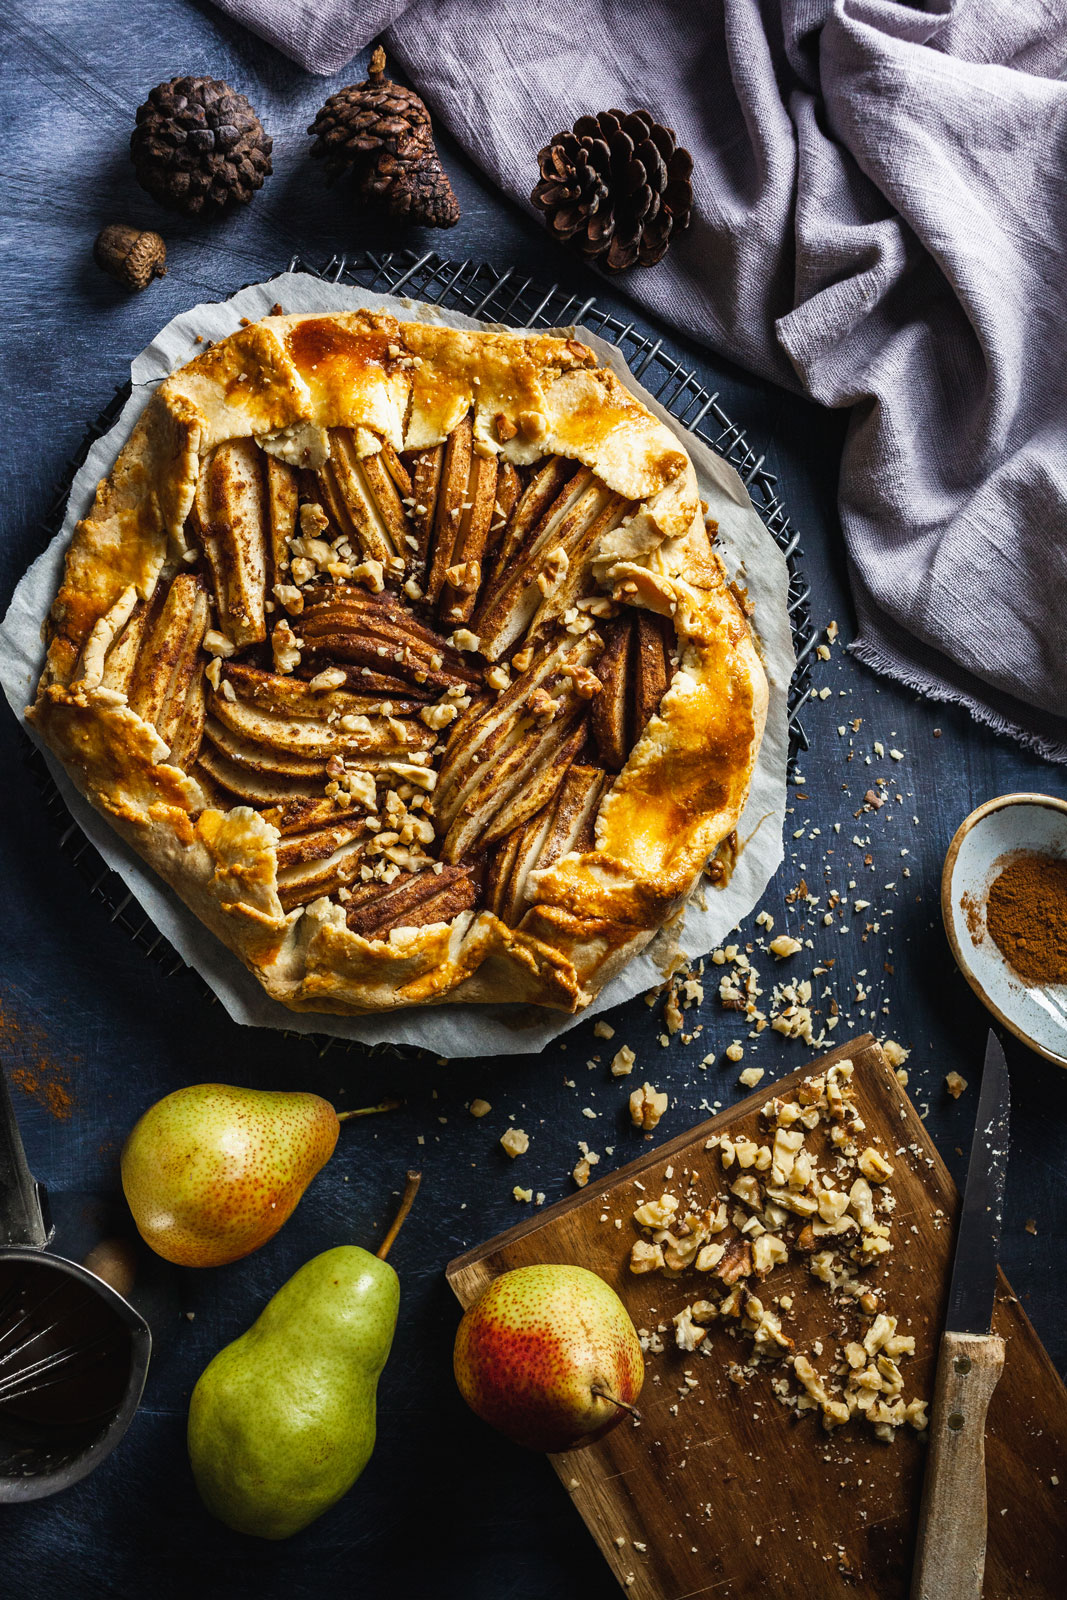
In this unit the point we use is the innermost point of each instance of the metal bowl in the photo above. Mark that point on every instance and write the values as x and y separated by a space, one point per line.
59 1434
1036 1014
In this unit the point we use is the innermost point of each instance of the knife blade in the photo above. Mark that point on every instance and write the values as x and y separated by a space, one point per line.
951 1544
974 1271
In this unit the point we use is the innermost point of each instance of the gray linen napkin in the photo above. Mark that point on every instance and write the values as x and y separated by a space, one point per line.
880 221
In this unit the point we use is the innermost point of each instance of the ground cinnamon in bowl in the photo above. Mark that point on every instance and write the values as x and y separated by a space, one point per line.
1026 916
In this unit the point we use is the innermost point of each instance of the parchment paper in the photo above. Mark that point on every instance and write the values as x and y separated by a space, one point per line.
750 552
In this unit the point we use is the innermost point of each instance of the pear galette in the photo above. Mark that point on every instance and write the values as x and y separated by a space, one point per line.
403 655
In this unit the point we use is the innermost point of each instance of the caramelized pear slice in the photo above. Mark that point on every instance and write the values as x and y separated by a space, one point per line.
410 901
610 713
507 611
299 884
186 731
286 695
257 759
299 814
508 492
463 574
517 783
260 788
498 878
427 468
351 499
390 507
543 489
231 517
169 653
651 668
316 739
396 469
319 844
282 500
451 495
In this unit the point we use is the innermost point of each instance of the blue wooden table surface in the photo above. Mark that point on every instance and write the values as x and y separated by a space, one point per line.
446 1508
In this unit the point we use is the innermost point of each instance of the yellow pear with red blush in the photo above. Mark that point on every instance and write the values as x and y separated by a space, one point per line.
548 1356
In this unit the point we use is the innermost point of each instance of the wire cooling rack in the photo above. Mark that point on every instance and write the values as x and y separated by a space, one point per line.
495 296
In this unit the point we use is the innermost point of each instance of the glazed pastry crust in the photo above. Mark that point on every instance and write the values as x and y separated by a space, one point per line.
681 790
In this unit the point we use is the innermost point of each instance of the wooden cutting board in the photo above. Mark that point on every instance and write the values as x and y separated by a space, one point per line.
728 1492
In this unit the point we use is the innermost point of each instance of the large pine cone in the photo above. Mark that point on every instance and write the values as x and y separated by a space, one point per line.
382 131
198 146
618 186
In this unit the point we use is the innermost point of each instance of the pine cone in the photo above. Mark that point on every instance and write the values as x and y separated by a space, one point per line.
618 186
198 146
382 131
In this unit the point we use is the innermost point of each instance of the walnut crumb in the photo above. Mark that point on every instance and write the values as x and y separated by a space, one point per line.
647 1106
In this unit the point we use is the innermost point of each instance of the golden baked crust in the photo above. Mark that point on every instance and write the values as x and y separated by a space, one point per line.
403 655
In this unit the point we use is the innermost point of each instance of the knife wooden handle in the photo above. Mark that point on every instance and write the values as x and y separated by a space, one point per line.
950 1551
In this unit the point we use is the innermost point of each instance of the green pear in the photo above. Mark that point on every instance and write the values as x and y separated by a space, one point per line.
549 1356
211 1172
282 1421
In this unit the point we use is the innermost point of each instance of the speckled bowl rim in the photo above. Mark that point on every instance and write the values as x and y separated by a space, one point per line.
1051 803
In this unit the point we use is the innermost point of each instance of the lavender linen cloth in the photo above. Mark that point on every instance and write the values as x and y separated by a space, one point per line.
880 221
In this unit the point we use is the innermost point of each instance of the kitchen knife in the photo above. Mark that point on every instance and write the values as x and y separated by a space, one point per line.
950 1552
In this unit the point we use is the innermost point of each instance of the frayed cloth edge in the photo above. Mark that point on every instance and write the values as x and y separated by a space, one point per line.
1051 749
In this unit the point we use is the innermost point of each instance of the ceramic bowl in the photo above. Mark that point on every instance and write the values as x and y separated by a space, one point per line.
1037 1015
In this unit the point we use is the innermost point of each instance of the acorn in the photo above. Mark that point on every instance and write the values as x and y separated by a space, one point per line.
132 256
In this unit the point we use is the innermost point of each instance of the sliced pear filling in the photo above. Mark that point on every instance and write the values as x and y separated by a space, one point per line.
635 671
261 759
163 681
317 739
410 901
463 513
258 788
564 825
290 696
551 562
282 504
427 467
377 633
230 512
487 722
513 758
339 754
122 656
365 502
302 880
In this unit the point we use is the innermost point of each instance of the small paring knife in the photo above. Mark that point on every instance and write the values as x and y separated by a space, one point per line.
950 1551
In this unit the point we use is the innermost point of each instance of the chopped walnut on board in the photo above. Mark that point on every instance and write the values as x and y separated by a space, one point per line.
811 1187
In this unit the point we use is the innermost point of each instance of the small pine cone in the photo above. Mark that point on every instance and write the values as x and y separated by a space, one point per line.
198 147
618 187
133 256
382 131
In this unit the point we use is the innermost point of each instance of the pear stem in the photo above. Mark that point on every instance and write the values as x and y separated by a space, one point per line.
411 1189
369 1111
623 1405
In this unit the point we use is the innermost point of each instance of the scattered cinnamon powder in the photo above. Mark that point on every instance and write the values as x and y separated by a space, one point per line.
1026 915
30 1064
